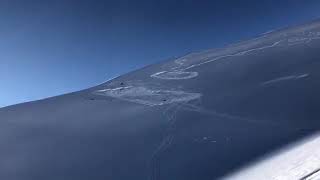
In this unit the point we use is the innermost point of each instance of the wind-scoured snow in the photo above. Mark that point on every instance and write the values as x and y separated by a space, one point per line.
304 37
148 96
175 75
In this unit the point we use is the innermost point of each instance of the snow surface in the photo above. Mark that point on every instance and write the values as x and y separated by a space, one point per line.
202 116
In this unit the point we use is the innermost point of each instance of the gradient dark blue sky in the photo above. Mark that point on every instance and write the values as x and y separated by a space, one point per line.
53 47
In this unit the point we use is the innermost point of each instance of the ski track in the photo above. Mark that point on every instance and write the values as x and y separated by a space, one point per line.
170 114
174 75
232 55
170 75
305 37
284 78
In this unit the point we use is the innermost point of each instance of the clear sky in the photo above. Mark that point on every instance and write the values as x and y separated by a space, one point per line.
51 47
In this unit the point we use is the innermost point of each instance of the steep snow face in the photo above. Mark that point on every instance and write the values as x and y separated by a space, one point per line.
198 117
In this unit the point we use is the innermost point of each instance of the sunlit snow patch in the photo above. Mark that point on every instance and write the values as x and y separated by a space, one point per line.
300 161
147 96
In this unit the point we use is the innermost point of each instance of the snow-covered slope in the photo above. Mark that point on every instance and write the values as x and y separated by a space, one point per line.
198 117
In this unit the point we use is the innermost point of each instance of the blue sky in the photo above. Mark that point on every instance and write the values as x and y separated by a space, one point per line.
54 47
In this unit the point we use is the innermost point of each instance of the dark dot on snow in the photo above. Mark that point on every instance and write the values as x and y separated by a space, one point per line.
122 84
